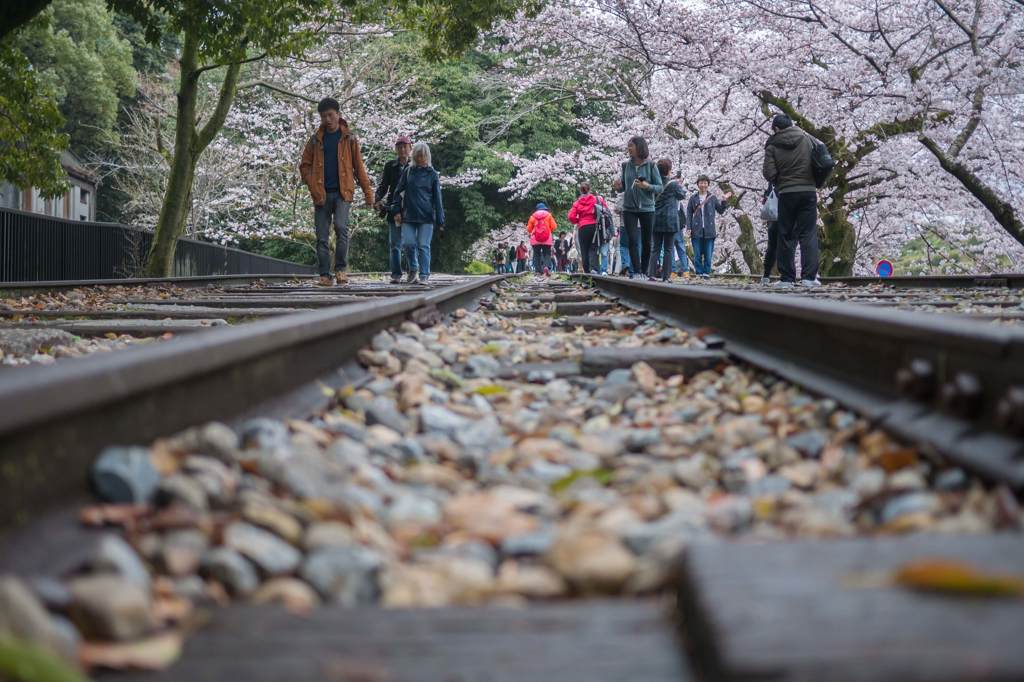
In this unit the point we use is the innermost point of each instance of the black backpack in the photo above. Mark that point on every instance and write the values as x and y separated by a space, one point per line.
822 163
605 222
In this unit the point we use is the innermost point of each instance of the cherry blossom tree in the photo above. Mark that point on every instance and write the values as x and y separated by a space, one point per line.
884 85
246 185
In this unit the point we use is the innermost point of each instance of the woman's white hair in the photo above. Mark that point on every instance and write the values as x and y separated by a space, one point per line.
421 150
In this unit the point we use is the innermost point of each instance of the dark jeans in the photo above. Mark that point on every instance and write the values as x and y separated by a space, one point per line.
520 265
636 234
798 224
664 243
771 250
541 257
334 211
703 249
395 247
589 248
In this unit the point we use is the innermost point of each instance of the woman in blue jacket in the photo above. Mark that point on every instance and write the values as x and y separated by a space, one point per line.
417 208
666 222
700 217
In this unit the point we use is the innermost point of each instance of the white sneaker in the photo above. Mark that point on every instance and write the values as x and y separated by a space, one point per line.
766 281
810 283
782 285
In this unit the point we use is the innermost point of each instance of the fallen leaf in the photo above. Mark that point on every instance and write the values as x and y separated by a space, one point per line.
153 653
317 434
124 515
949 576
894 460
171 609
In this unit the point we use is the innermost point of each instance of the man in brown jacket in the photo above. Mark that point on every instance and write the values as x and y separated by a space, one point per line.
331 162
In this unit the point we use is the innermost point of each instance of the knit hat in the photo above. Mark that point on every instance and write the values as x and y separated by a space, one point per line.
403 139
541 206
781 122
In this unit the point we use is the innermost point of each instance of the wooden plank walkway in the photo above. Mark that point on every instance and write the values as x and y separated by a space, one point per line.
582 641
808 611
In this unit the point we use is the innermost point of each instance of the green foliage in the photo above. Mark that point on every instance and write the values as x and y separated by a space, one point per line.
934 255
478 268
602 476
450 26
301 248
31 139
368 248
22 662
479 125
79 55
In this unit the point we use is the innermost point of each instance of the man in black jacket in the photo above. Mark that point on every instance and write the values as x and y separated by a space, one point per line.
787 165
393 170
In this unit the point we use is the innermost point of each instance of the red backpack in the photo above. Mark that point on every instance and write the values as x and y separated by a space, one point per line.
541 227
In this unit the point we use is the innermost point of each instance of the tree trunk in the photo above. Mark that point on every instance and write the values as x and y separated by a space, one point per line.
837 239
747 242
189 143
174 210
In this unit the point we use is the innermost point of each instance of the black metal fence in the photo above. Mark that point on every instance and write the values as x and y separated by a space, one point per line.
41 248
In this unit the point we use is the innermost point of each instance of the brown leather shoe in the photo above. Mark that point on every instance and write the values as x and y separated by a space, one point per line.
325 281
341 278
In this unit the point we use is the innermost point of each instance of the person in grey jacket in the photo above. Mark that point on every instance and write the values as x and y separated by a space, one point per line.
640 183
417 207
666 222
787 165
700 218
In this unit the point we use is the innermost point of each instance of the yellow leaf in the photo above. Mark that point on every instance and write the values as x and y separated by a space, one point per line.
154 653
949 576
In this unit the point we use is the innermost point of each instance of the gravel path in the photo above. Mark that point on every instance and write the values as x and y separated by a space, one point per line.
437 482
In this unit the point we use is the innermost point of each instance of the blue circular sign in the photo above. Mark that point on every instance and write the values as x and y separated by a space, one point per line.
884 268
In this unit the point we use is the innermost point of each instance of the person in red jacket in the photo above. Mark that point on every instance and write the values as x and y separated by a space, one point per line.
541 227
521 255
583 215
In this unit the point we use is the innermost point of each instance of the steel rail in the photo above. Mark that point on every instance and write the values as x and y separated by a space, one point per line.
952 386
27 287
54 420
1003 280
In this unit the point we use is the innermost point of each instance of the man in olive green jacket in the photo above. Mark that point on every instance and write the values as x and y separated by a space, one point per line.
331 162
787 165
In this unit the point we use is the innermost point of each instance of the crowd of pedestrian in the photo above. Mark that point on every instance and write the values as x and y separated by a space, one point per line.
641 233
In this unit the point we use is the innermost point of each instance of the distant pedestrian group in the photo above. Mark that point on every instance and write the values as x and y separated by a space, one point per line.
639 234
654 213
408 197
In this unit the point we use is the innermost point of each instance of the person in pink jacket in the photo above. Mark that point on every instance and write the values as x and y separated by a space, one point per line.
541 227
583 215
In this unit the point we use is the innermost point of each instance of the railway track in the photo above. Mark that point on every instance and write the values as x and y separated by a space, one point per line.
557 446
44 321
995 299
1007 280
